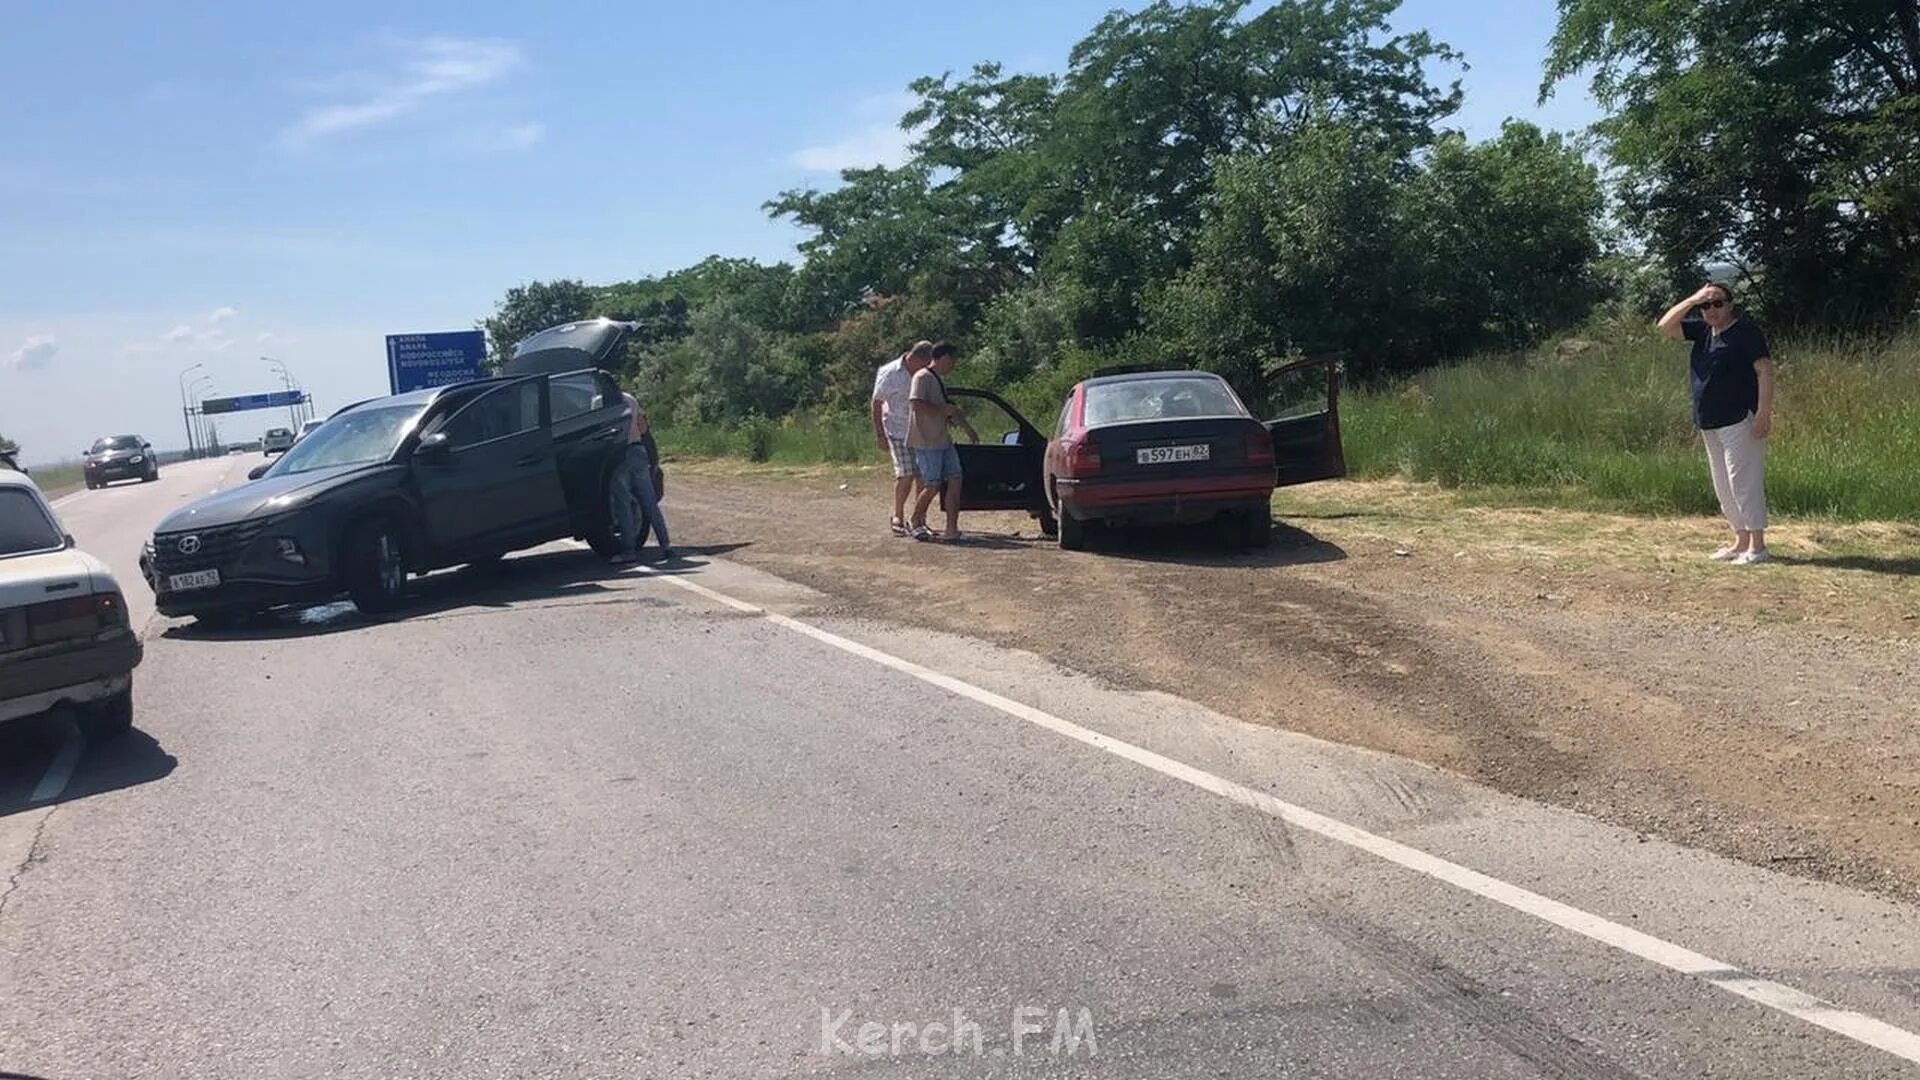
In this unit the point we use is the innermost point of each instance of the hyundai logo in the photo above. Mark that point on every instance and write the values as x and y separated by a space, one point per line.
189 545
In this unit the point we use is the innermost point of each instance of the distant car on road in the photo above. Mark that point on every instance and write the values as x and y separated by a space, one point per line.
307 429
1143 447
120 457
400 485
65 638
277 440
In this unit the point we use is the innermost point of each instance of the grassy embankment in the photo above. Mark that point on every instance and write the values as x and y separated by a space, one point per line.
57 480
1603 428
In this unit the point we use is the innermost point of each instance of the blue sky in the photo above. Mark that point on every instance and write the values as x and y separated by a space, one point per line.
237 180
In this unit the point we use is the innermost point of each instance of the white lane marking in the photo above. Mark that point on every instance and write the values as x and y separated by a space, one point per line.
60 770
1859 1027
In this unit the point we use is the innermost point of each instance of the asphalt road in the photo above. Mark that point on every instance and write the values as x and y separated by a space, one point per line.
564 822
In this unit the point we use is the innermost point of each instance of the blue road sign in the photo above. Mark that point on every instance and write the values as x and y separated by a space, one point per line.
279 399
418 361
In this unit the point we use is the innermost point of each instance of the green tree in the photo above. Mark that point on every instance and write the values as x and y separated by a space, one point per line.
1500 239
872 235
1299 255
1104 261
1151 99
1782 136
879 330
8 445
1025 330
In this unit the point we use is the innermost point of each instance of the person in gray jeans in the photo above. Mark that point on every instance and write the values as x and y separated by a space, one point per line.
633 489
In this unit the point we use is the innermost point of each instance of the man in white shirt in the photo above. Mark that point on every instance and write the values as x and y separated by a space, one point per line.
891 416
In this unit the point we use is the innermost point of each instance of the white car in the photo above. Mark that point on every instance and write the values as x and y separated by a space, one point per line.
277 441
65 638
308 428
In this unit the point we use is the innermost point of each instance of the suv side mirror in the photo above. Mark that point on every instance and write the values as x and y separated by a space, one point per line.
434 448
258 471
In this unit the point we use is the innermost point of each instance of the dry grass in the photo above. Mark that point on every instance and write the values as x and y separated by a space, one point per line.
1855 576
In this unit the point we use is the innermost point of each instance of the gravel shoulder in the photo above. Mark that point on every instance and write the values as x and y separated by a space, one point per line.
1595 662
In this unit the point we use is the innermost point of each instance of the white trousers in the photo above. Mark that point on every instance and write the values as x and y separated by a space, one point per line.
1738 462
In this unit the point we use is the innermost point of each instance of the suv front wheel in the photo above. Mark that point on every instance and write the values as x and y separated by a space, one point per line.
376 566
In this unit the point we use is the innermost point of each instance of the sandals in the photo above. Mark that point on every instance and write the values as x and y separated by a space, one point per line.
921 532
898 527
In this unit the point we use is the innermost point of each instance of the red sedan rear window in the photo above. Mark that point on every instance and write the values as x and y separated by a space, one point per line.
1134 400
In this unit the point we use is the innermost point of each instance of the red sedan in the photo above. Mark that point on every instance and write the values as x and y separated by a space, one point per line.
1147 447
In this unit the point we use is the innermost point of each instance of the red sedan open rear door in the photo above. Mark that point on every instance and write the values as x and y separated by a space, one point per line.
1306 434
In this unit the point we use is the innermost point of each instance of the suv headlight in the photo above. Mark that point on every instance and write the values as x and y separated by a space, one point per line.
288 549
136 459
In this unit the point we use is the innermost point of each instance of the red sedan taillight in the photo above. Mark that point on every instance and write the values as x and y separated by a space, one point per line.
1259 447
1082 457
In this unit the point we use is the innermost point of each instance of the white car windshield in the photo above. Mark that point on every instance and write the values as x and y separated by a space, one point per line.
359 437
24 525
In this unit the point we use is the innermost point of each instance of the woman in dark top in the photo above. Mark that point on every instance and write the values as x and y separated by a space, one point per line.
1733 408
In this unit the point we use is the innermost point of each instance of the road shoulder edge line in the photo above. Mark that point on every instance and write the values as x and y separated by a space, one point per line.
1856 1026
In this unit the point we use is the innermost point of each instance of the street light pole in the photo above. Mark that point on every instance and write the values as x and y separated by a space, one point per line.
194 392
186 418
288 380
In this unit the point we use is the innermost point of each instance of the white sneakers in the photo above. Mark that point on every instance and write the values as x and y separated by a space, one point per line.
1741 558
1726 554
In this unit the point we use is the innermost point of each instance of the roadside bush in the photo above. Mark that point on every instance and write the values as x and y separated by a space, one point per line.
753 439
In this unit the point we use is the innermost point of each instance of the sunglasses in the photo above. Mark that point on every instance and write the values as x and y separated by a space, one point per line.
1713 304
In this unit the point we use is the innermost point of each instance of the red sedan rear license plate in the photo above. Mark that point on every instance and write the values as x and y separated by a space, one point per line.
1165 455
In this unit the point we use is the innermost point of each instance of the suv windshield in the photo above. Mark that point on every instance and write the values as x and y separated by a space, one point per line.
1159 399
115 442
24 526
360 437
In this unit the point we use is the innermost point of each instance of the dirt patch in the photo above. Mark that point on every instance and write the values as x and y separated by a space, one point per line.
1771 713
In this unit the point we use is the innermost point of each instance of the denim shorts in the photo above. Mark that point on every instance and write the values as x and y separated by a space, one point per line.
937 466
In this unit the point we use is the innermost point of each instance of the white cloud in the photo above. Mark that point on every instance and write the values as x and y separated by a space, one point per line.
876 139
522 136
179 335
429 69
221 314
36 352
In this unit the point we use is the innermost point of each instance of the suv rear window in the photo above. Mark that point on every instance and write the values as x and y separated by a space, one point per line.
574 395
24 526
1133 400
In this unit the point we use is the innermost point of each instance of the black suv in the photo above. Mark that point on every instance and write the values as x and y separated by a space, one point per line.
120 457
407 484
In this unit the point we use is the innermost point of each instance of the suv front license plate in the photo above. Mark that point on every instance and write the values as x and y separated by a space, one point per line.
1162 455
199 579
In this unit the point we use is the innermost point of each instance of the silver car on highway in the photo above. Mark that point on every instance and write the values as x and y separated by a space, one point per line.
65 638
